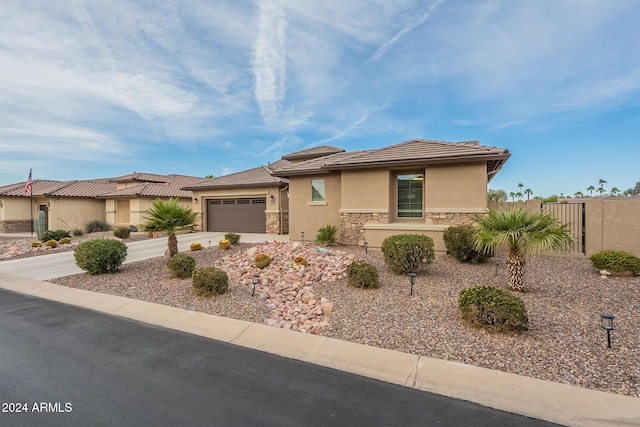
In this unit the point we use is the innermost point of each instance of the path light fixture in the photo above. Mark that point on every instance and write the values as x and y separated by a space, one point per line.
209 243
607 325
302 235
256 277
412 281
366 247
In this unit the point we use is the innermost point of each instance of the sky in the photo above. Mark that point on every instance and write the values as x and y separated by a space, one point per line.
94 89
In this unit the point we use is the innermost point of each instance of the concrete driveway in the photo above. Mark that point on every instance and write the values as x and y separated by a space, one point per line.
61 264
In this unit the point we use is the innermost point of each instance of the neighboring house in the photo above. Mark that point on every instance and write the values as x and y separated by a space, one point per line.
418 186
251 201
71 205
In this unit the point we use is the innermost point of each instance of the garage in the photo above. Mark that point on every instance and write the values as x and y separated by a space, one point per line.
243 215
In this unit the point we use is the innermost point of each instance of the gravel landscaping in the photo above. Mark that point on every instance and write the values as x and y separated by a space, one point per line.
565 342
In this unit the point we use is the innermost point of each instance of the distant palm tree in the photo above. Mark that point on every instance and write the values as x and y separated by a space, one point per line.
578 194
601 183
520 231
519 195
170 218
513 196
529 193
520 186
591 189
615 191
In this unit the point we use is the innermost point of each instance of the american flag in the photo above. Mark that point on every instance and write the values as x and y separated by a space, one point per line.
27 186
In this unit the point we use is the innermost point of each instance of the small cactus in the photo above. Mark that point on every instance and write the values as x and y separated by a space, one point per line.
195 246
51 243
40 224
36 244
262 260
224 244
64 241
300 261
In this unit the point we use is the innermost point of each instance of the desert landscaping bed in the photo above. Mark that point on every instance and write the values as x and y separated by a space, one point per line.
565 342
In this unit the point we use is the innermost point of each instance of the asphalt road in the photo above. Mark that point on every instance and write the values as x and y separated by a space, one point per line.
69 366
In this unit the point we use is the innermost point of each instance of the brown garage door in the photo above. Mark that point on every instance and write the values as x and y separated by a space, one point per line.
237 215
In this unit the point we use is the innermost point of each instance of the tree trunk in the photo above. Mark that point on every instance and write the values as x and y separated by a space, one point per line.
515 263
173 245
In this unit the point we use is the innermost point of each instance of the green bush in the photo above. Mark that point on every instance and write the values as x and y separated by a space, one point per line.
51 243
65 241
181 266
494 309
122 232
361 274
233 238
97 225
77 232
209 281
327 235
405 253
616 261
100 256
55 235
459 243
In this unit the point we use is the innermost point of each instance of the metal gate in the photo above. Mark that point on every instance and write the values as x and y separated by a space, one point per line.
574 215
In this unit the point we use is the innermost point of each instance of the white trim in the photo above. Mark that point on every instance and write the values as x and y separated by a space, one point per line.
409 226
455 210
271 211
357 211
317 204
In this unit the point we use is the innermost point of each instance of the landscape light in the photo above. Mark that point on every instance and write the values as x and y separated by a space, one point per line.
607 325
302 235
366 247
256 277
412 281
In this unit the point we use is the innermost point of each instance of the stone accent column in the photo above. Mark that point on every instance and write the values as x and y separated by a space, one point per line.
15 226
352 225
448 218
273 222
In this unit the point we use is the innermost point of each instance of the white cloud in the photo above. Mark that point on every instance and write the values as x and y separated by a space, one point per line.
269 59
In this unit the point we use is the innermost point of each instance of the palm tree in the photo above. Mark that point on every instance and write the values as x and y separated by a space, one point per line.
591 189
520 231
513 196
519 195
170 218
615 191
578 194
601 183
529 193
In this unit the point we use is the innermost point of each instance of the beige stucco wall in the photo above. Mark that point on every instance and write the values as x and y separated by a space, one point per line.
365 190
68 213
279 203
457 186
308 217
14 208
612 224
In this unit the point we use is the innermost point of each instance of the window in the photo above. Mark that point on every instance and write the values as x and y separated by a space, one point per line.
317 190
410 195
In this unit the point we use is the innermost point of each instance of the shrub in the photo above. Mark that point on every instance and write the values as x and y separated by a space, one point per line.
493 309
51 243
64 241
55 235
459 243
99 256
181 266
224 244
209 281
97 225
77 232
195 246
327 235
35 244
262 260
361 274
405 253
616 261
233 238
122 232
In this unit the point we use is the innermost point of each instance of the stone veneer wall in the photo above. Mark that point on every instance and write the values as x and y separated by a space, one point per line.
15 226
445 218
352 225
273 222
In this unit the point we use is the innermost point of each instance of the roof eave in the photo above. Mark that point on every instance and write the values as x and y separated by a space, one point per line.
417 162
232 186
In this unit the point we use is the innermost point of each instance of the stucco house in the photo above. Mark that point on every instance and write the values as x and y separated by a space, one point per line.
418 186
70 205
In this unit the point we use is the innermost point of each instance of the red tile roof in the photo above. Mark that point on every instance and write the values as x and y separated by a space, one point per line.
262 176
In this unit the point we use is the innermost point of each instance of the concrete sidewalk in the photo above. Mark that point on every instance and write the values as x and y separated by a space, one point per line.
544 400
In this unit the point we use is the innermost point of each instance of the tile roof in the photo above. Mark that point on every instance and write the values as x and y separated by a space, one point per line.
312 153
151 185
413 152
262 176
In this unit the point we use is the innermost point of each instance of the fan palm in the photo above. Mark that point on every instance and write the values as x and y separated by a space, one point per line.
520 231
169 218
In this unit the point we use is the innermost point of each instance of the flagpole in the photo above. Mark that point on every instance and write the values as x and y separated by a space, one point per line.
31 201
